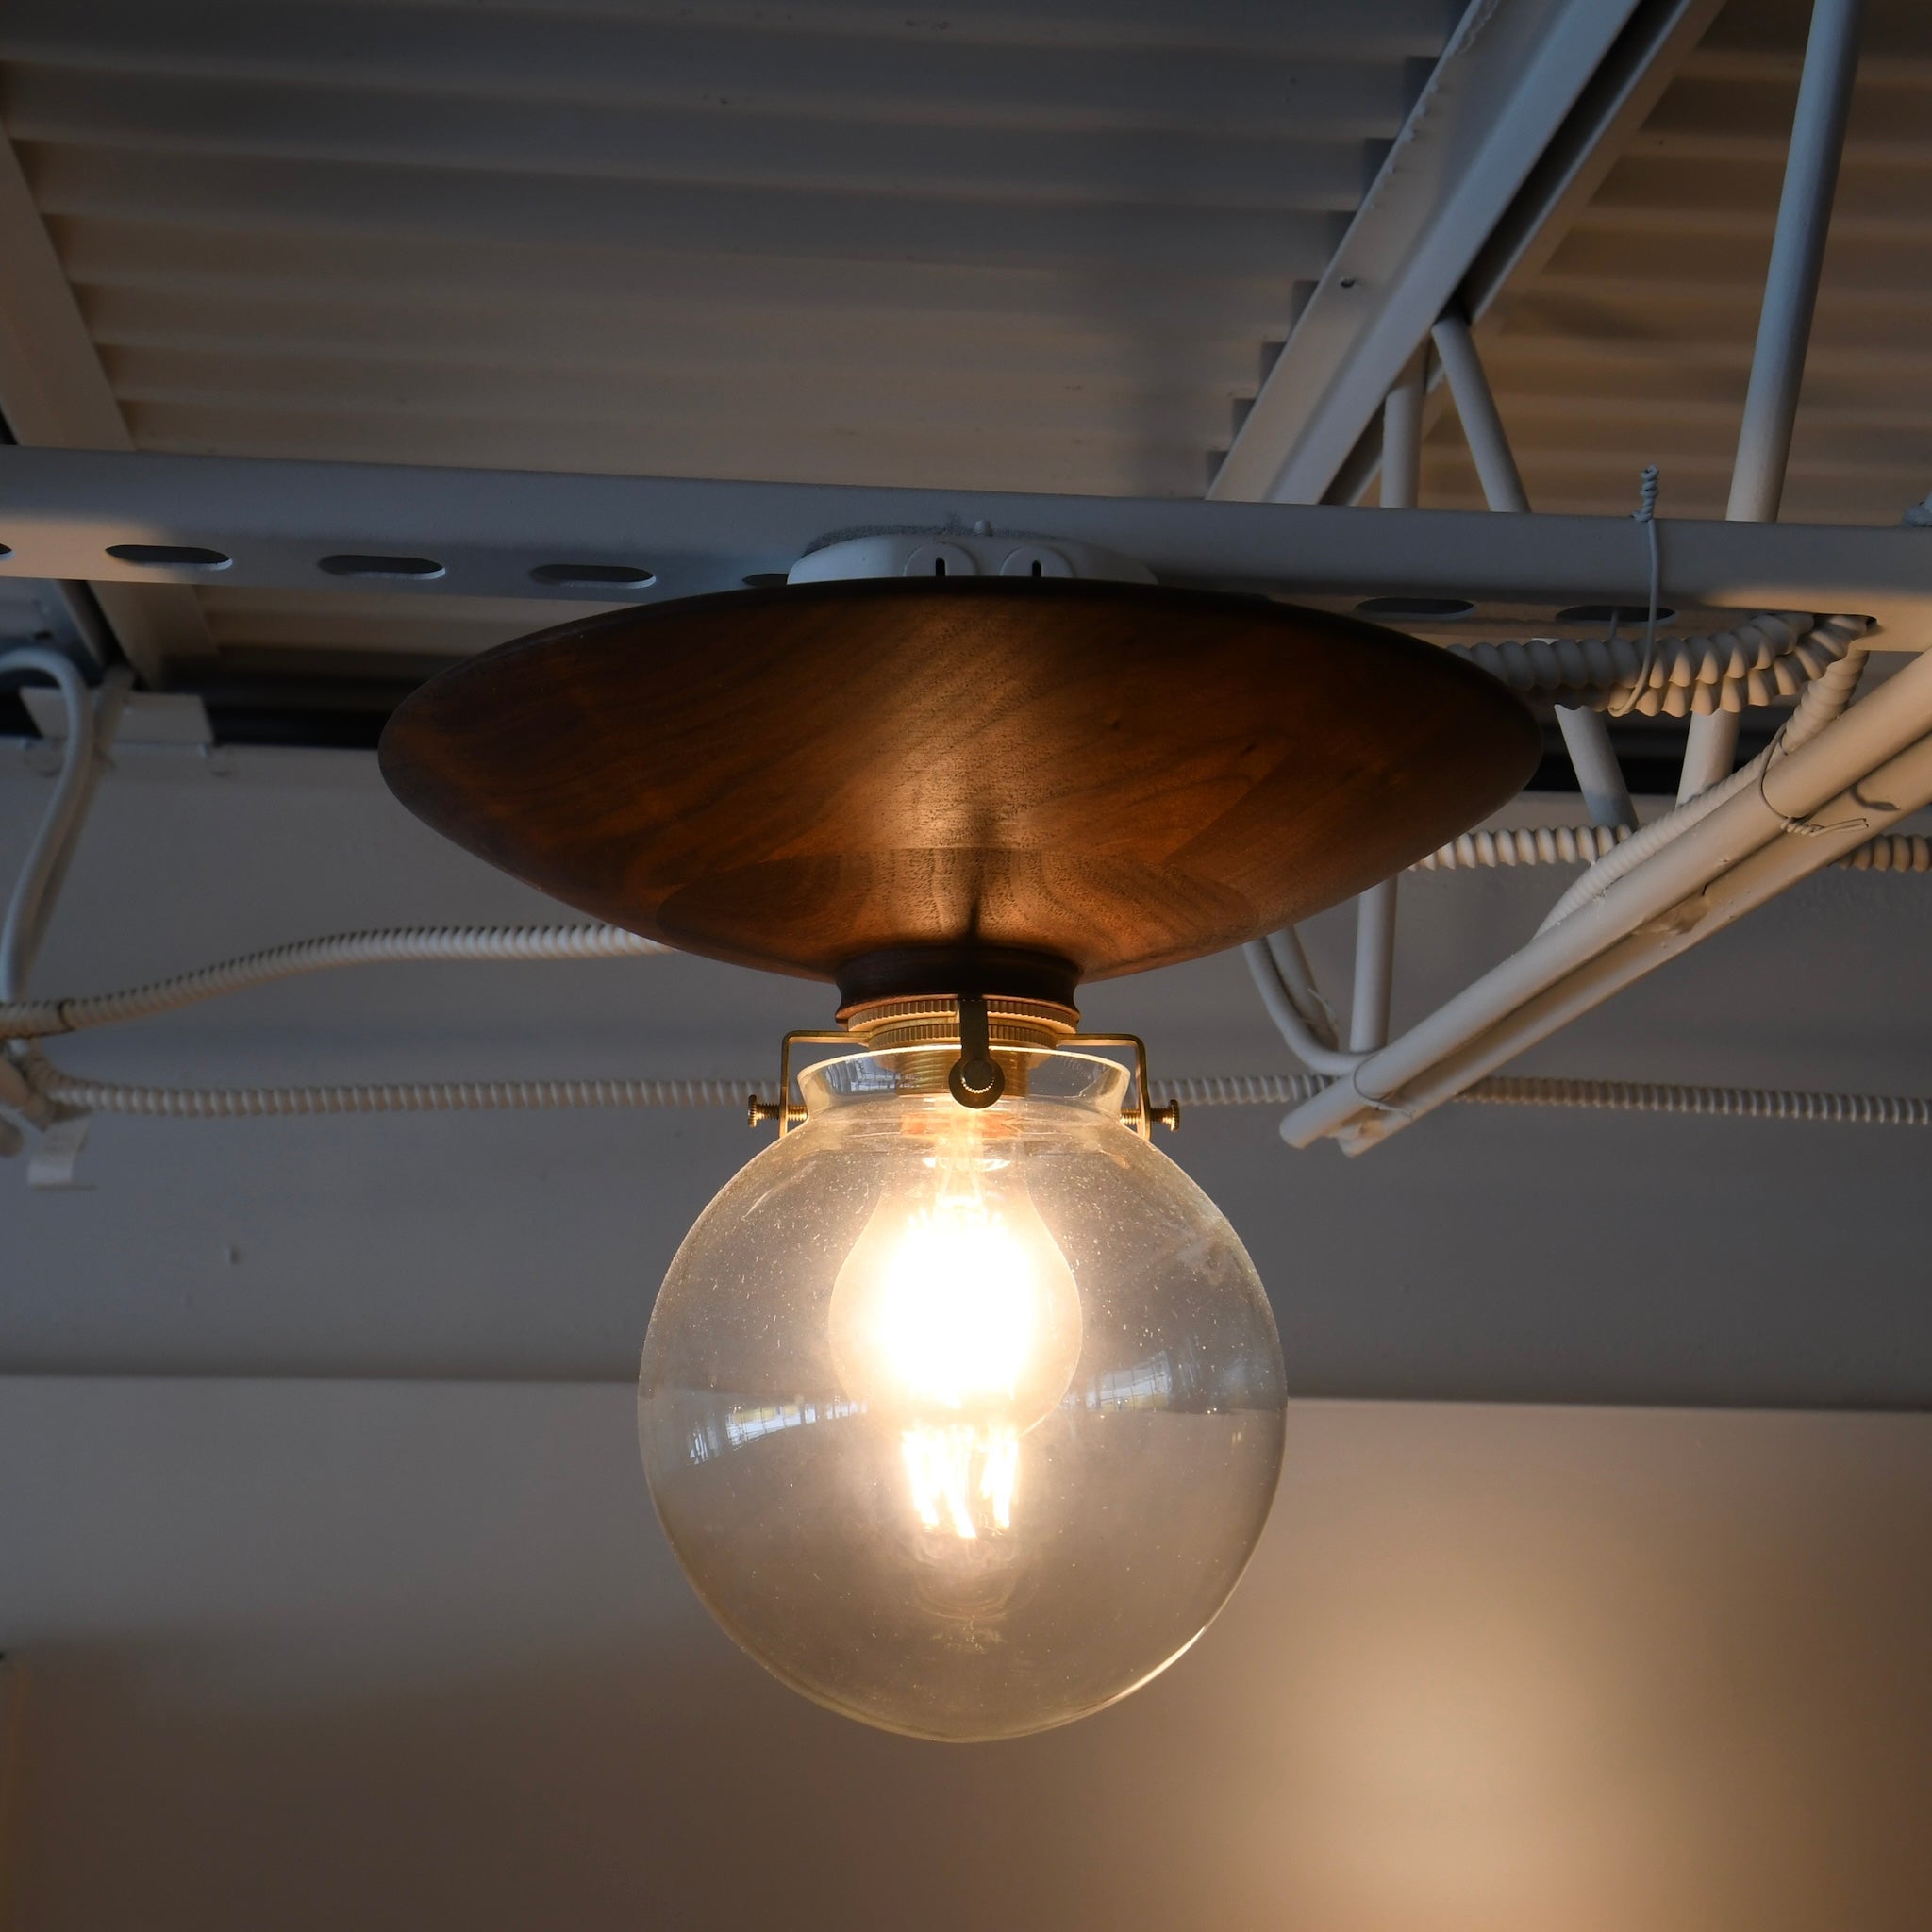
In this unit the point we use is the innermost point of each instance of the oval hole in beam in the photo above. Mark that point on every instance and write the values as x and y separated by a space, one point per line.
393 569
171 556
1602 614
589 577
1416 609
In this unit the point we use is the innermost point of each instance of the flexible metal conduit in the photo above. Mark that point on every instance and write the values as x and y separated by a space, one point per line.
26 1018
1617 1096
1729 1103
1527 845
433 1096
1235 1090
1584 844
1771 657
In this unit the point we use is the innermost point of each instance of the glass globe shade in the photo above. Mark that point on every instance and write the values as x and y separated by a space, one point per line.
962 1421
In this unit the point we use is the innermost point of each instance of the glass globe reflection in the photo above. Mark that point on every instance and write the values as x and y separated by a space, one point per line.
964 1422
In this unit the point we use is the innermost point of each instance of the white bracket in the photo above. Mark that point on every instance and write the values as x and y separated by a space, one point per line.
976 553
56 1156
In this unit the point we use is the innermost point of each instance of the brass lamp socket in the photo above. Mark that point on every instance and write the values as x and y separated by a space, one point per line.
933 1019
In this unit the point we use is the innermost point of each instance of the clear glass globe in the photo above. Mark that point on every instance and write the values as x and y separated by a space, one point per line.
964 1422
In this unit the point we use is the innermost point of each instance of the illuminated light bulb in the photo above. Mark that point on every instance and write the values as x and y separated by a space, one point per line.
964 1422
956 1314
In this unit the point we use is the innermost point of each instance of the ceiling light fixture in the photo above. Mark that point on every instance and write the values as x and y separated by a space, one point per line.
961 1405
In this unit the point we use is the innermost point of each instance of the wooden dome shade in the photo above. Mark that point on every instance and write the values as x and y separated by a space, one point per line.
892 781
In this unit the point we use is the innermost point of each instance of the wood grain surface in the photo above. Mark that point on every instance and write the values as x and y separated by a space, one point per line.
1110 774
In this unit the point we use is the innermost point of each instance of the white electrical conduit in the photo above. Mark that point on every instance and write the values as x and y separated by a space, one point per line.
81 770
1770 657
1872 767
26 1019
1237 1090
1375 968
1824 702
1293 1004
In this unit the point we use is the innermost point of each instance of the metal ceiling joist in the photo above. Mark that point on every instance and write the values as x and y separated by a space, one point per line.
1660 37
489 533
54 392
1499 96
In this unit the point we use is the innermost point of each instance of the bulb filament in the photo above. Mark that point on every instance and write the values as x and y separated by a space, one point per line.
951 1471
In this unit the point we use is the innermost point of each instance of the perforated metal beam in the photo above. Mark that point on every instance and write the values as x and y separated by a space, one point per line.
487 533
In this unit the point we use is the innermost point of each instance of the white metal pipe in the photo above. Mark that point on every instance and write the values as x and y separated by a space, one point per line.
1784 322
1475 408
1586 736
1599 778
1711 750
1894 716
1797 255
1375 968
1402 437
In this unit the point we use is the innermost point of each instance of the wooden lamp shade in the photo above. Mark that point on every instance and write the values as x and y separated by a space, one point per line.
995 785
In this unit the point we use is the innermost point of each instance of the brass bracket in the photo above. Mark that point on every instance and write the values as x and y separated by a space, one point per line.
1142 1116
785 1111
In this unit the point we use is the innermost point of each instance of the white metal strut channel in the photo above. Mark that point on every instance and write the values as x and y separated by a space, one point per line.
486 530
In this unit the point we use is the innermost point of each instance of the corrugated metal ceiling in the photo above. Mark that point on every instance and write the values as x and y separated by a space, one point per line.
1035 247
1004 246
1032 247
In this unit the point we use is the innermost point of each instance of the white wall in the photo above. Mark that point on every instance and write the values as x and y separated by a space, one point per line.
317 1655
